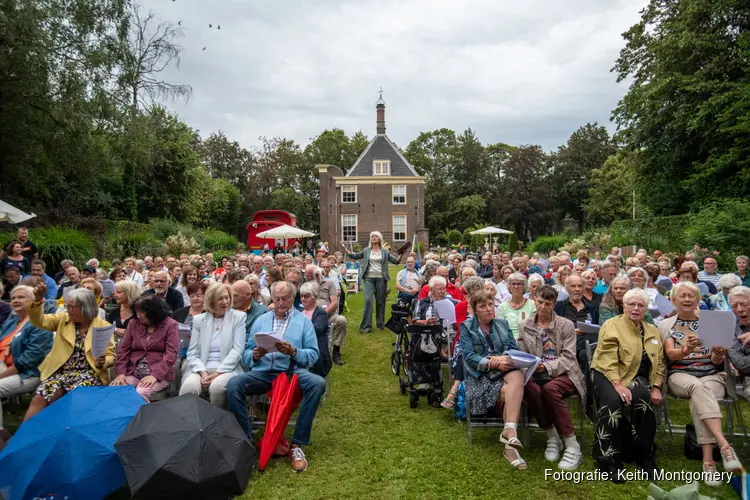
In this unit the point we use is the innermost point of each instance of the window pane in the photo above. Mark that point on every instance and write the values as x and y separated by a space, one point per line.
349 227
399 195
399 228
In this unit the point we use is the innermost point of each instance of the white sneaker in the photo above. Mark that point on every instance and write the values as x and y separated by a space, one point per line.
552 452
729 459
571 459
711 478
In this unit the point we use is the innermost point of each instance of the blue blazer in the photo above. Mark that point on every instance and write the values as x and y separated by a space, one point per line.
385 258
29 347
300 333
472 346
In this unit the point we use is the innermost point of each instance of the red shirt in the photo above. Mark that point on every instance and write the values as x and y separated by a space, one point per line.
450 288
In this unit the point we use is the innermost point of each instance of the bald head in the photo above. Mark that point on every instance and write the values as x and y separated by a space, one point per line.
243 295
443 271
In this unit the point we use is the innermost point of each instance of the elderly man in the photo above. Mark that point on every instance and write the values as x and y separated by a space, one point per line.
38 268
298 349
573 308
258 270
243 301
408 282
162 289
328 299
485 267
608 272
709 274
74 279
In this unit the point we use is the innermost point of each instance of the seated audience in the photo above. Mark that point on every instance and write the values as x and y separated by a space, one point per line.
299 349
310 308
490 376
161 288
407 282
697 373
149 348
720 300
329 301
70 363
739 351
126 293
215 352
243 301
628 371
518 308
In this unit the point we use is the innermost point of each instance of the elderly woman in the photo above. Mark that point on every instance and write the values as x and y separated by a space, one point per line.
518 308
375 260
126 293
23 347
71 362
534 282
688 271
611 305
149 349
216 346
739 351
590 280
424 312
697 373
490 375
553 339
309 295
628 372
272 276
254 282
720 300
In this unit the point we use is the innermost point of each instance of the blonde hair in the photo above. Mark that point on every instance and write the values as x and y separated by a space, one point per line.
97 287
380 238
213 293
684 284
130 289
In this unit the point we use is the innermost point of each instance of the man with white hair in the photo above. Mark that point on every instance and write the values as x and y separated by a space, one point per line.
162 289
298 349
328 299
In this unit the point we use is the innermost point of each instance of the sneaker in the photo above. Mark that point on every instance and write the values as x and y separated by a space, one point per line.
337 359
571 459
552 452
711 475
729 459
297 458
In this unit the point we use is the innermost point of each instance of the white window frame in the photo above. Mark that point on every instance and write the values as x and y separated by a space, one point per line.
351 188
393 194
393 223
381 167
356 228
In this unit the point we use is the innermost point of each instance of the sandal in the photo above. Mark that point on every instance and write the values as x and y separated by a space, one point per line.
519 463
449 402
513 442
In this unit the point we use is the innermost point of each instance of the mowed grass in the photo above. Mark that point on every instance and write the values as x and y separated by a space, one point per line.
368 443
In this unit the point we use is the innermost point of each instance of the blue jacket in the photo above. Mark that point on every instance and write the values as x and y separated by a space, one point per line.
256 311
29 347
51 288
300 333
472 345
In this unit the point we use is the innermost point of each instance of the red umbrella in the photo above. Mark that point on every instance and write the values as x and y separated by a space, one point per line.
285 396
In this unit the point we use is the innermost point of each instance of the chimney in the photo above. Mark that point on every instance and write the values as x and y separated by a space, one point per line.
380 113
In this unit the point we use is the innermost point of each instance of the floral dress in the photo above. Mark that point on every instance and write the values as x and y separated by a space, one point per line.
481 392
76 372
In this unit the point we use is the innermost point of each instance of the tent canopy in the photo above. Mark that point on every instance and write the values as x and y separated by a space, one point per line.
491 230
9 213
285 231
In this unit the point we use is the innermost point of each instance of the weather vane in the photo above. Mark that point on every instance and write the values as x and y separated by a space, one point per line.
380 99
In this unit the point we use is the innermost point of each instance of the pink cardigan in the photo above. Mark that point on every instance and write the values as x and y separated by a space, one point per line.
160 348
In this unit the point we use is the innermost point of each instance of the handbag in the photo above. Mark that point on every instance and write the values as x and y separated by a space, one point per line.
693 450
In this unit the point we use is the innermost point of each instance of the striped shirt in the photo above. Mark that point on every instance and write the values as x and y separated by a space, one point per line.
697 363
280 325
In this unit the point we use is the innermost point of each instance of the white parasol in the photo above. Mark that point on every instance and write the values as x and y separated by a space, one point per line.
285 232
9 213
491 230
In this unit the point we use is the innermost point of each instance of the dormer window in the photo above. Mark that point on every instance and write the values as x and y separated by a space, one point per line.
381 167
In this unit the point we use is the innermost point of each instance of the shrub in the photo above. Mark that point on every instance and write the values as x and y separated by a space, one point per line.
545 244
178 244
128 244
58 243
162 229
218 240
454 237
513 245
724 226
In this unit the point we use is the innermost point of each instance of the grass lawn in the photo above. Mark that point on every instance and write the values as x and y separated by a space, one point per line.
368 443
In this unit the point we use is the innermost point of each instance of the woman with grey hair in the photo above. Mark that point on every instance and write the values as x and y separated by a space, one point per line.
535 281
726 283
309 292
375 274
71 362
518 308
739 351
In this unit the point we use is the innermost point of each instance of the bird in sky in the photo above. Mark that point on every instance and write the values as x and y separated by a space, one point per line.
204 48
210 26
218 27
179 23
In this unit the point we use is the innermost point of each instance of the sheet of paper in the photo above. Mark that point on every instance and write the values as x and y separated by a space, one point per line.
100 339
716 328
525 362
267 340
544 264
664 304
446 311
587 327
108 288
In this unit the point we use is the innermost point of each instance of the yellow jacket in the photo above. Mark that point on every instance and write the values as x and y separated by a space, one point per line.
65 335
618 353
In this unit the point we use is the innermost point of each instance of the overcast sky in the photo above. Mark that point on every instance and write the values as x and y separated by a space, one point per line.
518 72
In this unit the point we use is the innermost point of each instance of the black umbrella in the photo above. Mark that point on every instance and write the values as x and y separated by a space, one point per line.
185 447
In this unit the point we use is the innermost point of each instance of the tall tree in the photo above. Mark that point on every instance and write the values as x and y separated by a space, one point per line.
688 108
614 190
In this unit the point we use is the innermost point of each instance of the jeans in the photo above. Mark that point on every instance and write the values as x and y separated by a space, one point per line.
252 383
374 288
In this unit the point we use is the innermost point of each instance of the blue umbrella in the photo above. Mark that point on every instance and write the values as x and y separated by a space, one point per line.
67 449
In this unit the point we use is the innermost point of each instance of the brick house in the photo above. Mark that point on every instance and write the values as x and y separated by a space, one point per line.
382 191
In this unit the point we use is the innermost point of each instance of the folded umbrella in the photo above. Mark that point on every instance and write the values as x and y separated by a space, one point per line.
185 447
285 396
67 449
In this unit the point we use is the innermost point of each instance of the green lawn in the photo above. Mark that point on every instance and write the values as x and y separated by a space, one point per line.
368 443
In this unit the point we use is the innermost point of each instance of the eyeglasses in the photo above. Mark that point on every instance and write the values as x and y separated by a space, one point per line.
635 305
305 296
515 284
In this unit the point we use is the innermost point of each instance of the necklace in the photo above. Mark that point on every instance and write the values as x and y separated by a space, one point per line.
220 323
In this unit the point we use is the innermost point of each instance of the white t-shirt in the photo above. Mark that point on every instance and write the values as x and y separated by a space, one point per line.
136 278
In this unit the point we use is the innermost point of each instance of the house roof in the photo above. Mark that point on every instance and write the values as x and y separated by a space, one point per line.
381 148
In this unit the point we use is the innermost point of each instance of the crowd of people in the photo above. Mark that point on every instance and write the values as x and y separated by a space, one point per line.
540 304
550 306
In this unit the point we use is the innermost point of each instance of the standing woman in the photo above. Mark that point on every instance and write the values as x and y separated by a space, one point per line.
216 346
70 363
375 272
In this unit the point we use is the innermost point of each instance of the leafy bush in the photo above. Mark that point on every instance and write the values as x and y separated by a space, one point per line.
128 244
178 244
545 244
513 245
58 243
162 229
218 240
723 226
455 236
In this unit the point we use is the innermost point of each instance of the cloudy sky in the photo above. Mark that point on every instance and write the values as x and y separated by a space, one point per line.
517 72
